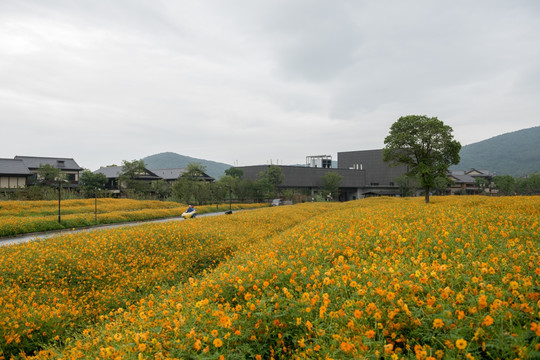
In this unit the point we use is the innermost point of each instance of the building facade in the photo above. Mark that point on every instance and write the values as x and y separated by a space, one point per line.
363 173
13 174
67 166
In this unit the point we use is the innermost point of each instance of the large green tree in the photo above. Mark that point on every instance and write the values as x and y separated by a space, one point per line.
130 177
268 181
425 145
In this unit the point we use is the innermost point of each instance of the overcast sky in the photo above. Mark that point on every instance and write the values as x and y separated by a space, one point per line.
247 82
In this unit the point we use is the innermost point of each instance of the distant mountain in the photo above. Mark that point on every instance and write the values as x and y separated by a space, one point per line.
170 160
516 153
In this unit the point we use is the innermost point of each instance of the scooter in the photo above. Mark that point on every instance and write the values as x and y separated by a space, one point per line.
189 215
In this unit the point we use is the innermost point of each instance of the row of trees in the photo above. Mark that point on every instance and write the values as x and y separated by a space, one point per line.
191 187
509 185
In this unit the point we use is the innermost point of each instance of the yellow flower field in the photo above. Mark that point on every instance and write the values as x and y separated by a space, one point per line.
375 278
20 217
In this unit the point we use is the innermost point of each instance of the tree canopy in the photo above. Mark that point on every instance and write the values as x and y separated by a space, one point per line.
194 171
425 145
48 174
91 182
331 182
234 172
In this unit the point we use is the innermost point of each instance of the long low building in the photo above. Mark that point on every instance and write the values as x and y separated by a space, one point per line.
364 173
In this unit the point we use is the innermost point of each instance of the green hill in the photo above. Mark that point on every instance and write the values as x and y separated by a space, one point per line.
516 153
170 160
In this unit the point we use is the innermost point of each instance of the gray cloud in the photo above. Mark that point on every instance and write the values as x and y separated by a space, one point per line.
103 81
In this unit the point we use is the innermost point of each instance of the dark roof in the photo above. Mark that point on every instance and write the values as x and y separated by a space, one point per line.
113 172
13 167
33 162
169 174
476 172
109 171
462 179
175 173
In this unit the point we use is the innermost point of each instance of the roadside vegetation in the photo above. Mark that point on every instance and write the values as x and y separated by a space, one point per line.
21 217
376 278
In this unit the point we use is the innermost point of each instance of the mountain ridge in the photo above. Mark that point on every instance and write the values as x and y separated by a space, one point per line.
515 153
171 160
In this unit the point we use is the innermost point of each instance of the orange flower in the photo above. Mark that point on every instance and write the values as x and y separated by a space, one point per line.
461 344
218 343
488 320
438 323
347 346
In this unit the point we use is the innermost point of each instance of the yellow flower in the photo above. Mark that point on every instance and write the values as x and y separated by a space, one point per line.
461 344
488 320
218 342
438 323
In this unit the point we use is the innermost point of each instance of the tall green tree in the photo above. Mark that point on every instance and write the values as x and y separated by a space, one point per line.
268 181
506 184
331 183
130 177
425 145
183 190
90 182
48 174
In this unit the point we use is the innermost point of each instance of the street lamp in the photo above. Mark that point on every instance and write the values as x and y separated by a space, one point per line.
95 204
230 196
59 198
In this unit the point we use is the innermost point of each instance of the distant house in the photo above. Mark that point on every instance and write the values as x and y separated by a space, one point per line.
485 174
171 175
13 174
461 183
67 166
464 182
113 174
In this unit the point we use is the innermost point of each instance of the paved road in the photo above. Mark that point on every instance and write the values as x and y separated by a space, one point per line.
44 235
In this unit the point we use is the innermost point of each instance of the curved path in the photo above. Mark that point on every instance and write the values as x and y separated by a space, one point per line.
47 234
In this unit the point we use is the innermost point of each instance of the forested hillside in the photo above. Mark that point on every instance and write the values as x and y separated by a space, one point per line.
516 153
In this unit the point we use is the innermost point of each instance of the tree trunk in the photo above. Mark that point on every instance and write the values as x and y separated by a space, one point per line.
426 195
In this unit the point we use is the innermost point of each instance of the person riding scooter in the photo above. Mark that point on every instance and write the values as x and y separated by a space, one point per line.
190 212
